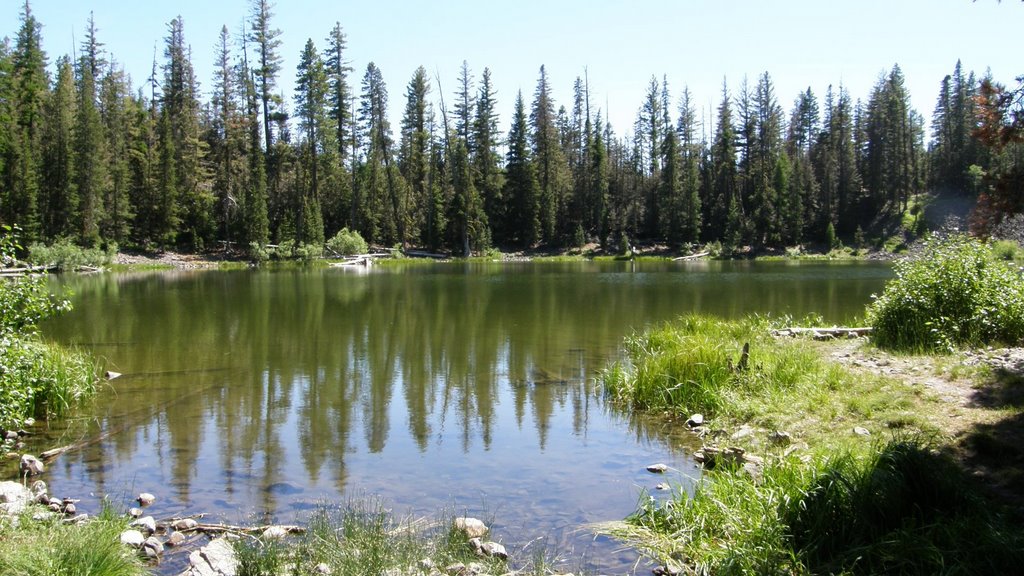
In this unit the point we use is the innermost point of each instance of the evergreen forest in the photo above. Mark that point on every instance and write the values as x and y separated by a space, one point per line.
89 156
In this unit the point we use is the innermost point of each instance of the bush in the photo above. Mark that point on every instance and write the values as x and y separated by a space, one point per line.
348 243
954 292
66 255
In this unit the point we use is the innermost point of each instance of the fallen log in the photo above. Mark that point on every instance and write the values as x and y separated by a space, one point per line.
692 256
221 528
823 333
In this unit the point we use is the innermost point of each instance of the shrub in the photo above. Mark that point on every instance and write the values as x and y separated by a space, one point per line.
954 292
66 255
348 243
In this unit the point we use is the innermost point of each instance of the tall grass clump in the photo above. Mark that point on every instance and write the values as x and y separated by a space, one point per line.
899 507
363 537
954 292
697 364
54 548
36 378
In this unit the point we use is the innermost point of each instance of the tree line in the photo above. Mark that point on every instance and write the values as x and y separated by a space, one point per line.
85 155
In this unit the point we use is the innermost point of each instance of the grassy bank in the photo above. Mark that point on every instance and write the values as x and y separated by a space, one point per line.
840 472
54 548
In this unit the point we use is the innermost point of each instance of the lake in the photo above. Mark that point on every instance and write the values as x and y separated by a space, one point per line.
255 396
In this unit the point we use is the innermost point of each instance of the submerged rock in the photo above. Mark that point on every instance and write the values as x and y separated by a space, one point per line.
145 499
175 539
657 468
184 524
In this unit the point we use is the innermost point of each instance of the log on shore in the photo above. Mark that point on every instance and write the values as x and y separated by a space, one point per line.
692 256
833 333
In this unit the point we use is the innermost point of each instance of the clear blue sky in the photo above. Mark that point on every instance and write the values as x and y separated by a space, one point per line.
620 43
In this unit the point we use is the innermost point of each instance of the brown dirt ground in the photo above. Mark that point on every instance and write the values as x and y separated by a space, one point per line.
980 408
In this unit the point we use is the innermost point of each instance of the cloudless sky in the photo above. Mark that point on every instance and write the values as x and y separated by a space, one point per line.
619 44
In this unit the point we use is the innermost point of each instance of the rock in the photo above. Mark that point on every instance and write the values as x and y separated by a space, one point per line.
457 569
666 571
662 486
11 435
427 565
12 456
657 468
861 431
135 512
55 507
30 465
494 550
780 438
322 568
145 499
175 539
70 509
146 523
132 538
477 545
14 497
30 422
695 421
184 524
274 533
215 559
471 527
743 432
39 488
110 374
153 547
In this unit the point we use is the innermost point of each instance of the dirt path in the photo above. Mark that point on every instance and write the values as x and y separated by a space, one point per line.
977 404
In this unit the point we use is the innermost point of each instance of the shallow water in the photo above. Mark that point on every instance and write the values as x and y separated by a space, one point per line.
259 395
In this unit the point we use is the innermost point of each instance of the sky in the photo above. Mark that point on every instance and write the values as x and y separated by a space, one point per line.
618 45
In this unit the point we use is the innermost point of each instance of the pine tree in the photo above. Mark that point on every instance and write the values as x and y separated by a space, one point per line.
381 218
691 151
522 221
725 209
486 160
115 112
311 94
90 146
467 220
337 206
267 41
414 154
19 192
58 197
255 220
548 158
465 101
224 139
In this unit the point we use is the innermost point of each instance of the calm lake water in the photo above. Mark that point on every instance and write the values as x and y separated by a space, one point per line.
257 395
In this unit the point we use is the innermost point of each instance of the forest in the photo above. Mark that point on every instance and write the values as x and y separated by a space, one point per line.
87 156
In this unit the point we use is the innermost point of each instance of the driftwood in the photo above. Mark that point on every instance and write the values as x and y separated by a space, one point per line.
221 528
692 256
424 254
823 333
25 270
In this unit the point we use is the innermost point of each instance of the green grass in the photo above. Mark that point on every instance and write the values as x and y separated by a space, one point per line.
53 548
832 501
365 538
42 380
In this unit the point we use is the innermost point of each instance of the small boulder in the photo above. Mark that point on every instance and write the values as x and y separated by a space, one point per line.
274 533
662 486
861 431
456 569
322 568
135 512
657 468
215 559
471 527
695 420
30 465
70 509
111 375
743 432
780 438
175 539
146 523
184 524
132 538
153 547
14 497
494 550
11 435
145 499
39 488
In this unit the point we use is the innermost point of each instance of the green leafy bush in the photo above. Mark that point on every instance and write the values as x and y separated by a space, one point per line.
954 292
66 255
348 243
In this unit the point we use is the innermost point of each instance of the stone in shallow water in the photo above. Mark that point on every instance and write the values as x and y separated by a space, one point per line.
30 465
145 499
132 538
657 468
